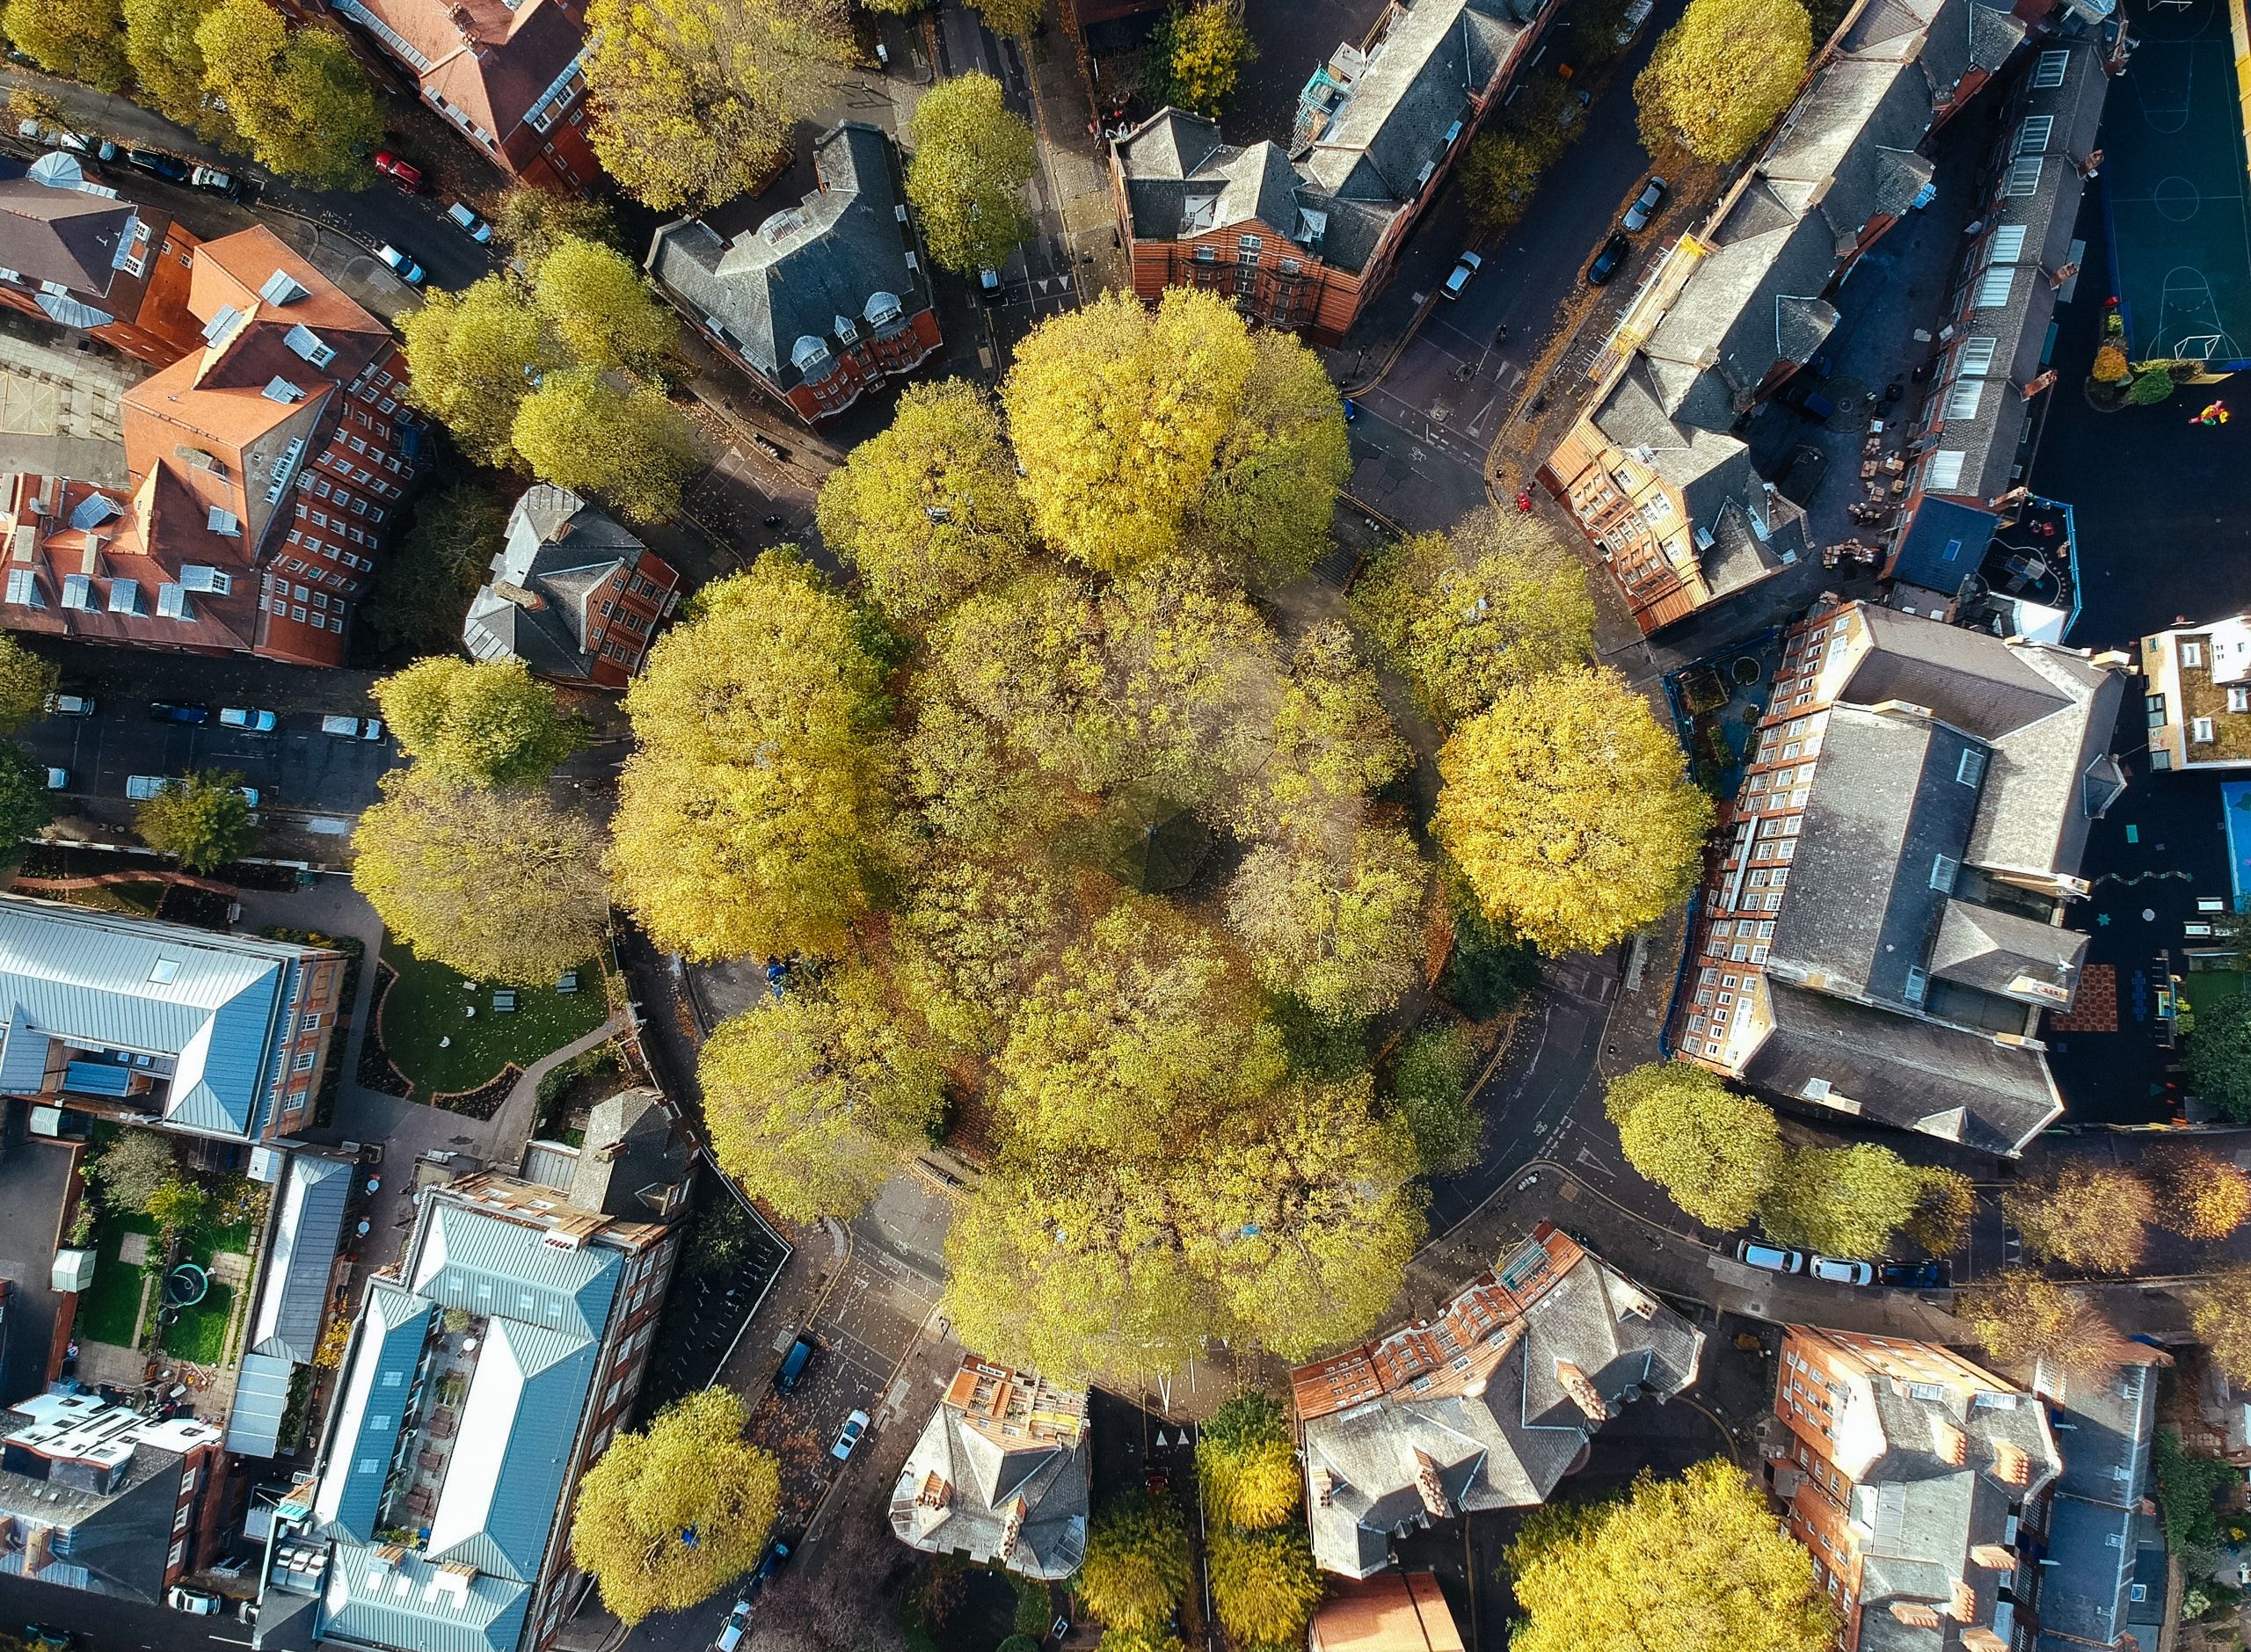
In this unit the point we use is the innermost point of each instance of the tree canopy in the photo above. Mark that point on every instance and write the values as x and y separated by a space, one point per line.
27 681
1264 1585
203 821
973 156
297 96
1136 1568
2199 1193
168 68
694 100
78 39
1696 1564
631 447
490 724
2018 1317
1716 1154
25 804
673 1512
423 589
1246 1463
1721 75
1341 935
2092 1217
1565 805
496 882
2220 1311
746 815
1845 1201
1430 1093
1198 57
2219 1056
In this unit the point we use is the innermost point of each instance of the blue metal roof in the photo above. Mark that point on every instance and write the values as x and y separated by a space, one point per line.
518 1426
384 1354
413 1604
467 1259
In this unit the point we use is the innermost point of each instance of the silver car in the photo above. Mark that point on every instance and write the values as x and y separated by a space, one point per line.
1652 196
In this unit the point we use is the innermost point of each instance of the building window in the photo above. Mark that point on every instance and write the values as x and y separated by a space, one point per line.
1972 768
1918 984
1944 868
2192 654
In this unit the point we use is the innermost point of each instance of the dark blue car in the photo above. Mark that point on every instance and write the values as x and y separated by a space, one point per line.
178 711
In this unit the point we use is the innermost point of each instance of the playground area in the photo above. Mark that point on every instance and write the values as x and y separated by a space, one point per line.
2176 188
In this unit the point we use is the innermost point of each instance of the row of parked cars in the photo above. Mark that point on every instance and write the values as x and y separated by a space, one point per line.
1905 1276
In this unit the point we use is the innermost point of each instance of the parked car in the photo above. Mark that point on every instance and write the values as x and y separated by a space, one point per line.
47 1638
732 1631
1465 266
58 779
407 269
479 231
70 705
1630 25
794 1365
236 716
1912 1276
988 285
353 728
178 711
249 795
200 1602
1638 215
141 788
777 1552
1607 261
1836 1271
406 174
1772 1258
1808 402
171 167
216 182
849 1436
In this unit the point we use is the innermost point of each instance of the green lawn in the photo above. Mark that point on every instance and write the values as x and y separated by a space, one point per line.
106 1307
2206 989
200 1333
429 1002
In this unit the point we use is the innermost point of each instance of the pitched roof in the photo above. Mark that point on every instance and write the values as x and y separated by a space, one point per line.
74 238
1999 952
631 1158
465 1258
492 61
2105 1425
308 1225
371 1598
519 1426
363 1433
557 552
845 251
1005 1459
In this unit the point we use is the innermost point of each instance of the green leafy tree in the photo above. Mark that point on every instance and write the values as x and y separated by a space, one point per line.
602 310
471 358
2095 1217
25 804
1846 1201
962 783
1265 1585
298 98
973 156
1565 806
1696 1564
673 1512
167 63
633 448
131 1167
1136 1570
1494 604
1721 75
1333 743
1267 509
203 821
693 100
1943 1206
26 682
2219 1056
1198 54
1008 17
814 1099
2017 1318
487 723
1430 1093
176 1206
497 882
746 815
973 937
2199 1193
928 510
422 590
1716 1154
78 39
2220 1311
1501 170
1341 934
1246 1463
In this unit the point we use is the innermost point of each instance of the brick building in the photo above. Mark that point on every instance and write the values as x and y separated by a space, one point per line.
1882 922
1654 470
1303 237
510 77
96 1495
2197 694
573 594
263 471
823 302
75 251
1000 1473
482 1380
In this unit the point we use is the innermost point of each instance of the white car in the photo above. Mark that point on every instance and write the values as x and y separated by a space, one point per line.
200 1602
730 1632
353 728
1465 266
58 779
141 788
1772 1258
1836 1271
847 1438
234 717
479 231
406 268
70 705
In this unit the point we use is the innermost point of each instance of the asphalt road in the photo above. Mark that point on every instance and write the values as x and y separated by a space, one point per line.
383 212
104 1623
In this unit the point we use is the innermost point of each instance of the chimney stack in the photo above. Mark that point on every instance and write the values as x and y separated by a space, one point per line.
1582 1390
1433 1489
1915 1615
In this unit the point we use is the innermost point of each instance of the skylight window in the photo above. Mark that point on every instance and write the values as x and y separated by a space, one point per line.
165 971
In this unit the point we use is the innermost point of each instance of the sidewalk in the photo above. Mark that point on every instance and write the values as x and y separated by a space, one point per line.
1074 163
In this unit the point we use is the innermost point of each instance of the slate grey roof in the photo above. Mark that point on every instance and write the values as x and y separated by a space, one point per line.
1050 1473
308 1225
845 250
1901 1071
631 1157
1990 948
1885 817
71 237
93 979
558 550
2103 1429
412 1602
1182 181
1754 302
1944 544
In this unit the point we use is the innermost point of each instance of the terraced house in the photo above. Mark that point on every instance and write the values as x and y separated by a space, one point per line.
1303 237
482 1380
1883 920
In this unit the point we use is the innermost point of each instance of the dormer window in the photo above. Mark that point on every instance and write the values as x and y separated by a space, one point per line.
810 356
303 341
282 287
883 309
847 332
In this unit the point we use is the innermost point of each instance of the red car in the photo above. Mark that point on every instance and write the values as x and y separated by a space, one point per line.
406 175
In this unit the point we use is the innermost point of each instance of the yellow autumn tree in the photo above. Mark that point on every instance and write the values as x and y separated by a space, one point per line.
1721 76
1567 809
673 1512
